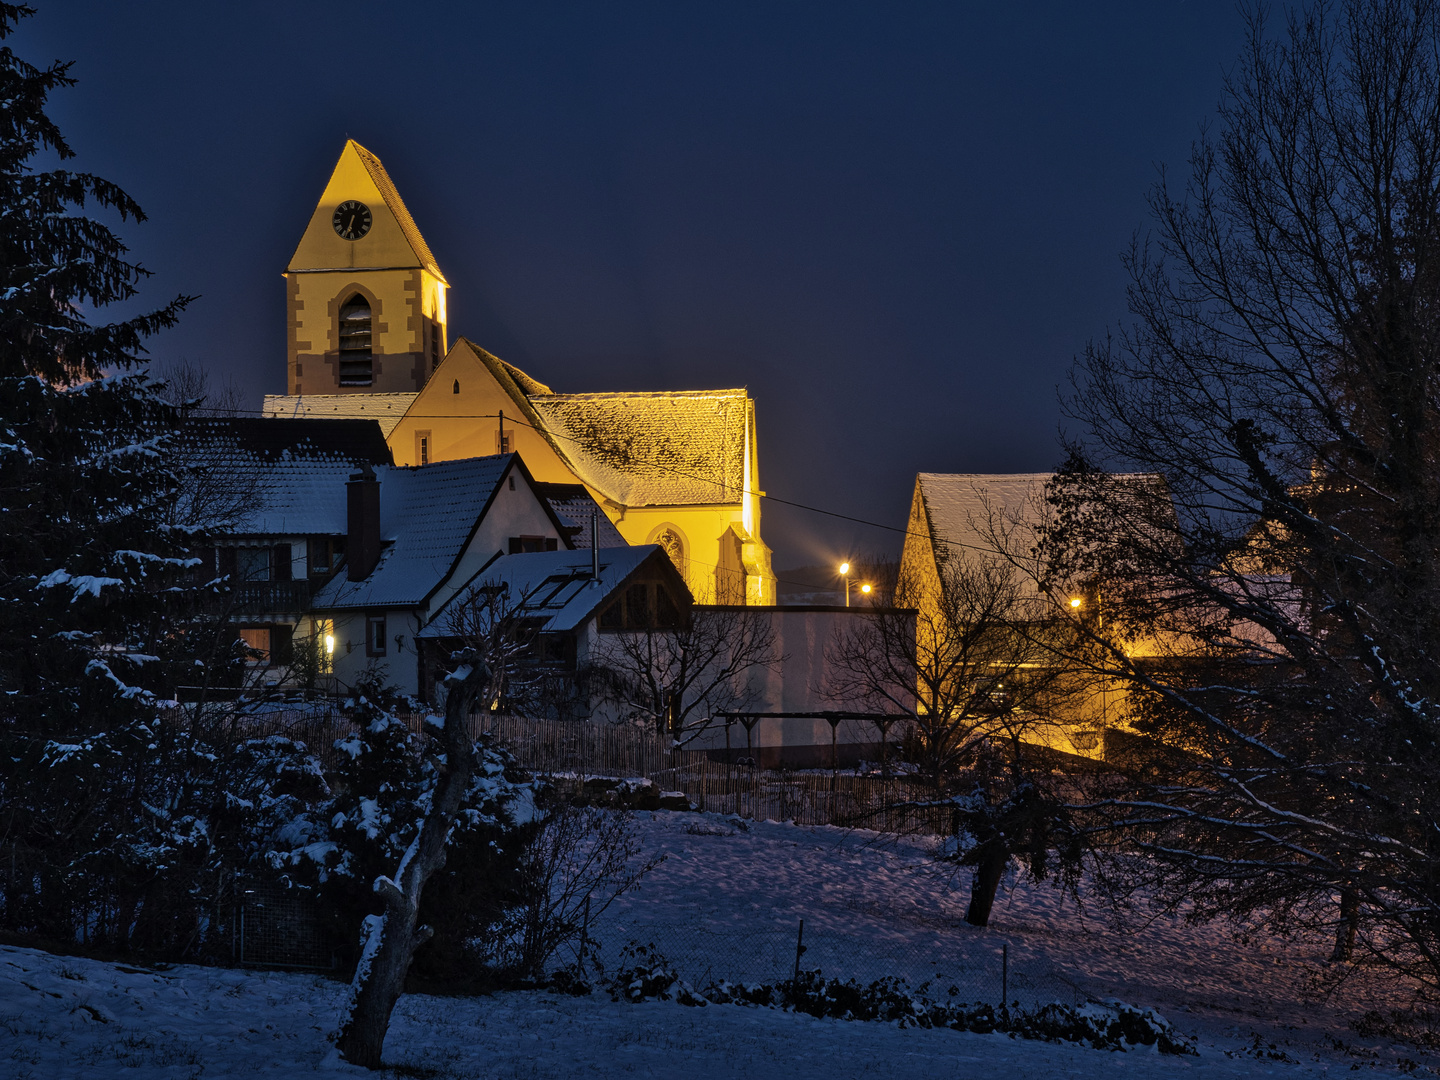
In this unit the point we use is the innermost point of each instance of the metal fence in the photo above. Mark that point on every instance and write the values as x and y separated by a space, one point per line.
278 927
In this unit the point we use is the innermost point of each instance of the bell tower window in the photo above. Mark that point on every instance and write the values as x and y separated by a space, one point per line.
355 355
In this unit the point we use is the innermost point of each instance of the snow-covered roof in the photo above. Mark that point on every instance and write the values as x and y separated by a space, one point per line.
653 449
427 515
574 505
961 507
555 585
385 409
279 478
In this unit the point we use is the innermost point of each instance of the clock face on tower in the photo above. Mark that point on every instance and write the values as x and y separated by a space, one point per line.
352 220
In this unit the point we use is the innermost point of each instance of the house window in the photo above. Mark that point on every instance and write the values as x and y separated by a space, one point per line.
326 553
257 640
422 447
375 635
325 646
522 544
355 340
253 564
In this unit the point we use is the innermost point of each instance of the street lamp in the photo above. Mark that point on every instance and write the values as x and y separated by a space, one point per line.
845 576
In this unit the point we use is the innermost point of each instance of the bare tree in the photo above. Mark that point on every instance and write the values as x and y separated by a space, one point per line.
971 657
188 387
678 680
491 630
577 864
1279 376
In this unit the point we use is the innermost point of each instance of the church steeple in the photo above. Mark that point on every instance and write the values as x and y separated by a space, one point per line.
366 300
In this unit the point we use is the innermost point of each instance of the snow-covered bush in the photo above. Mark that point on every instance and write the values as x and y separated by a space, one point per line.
377 795
1111 1025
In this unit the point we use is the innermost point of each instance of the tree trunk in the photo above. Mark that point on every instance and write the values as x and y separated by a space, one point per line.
986 884
1345 930
389 940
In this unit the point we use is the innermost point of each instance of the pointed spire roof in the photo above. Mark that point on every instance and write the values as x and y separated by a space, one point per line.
393 241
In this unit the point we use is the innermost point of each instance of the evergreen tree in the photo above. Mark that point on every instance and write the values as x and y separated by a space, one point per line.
98 587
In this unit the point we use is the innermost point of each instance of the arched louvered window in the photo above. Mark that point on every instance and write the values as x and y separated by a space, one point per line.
355 361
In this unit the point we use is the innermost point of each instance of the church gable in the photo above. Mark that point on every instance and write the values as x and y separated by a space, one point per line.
391 240
459 414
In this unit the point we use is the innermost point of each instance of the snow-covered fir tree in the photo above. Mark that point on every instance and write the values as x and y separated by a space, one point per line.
99 585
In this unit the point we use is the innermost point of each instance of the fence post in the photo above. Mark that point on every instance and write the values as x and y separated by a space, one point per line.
1005 976
799 949
584 934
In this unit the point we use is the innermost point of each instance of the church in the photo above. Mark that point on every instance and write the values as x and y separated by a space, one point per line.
367 337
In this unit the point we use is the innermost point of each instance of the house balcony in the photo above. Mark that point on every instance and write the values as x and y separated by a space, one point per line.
272 597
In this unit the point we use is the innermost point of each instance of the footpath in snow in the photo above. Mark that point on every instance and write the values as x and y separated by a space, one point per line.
724 884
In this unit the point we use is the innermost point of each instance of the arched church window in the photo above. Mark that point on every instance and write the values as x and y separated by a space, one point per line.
355 339
670 541
456 388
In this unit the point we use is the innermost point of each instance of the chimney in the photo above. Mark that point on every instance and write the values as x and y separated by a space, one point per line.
362 544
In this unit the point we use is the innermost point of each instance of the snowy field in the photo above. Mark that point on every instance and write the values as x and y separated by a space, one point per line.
728 897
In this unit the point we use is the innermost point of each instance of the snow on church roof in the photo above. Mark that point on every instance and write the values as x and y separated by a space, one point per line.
427 515
653 449
386 409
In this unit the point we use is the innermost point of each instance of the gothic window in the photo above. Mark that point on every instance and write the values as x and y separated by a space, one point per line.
355 341
434 345
673 546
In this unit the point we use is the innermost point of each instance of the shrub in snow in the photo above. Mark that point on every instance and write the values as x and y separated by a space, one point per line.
379 793
1112 1025
572 867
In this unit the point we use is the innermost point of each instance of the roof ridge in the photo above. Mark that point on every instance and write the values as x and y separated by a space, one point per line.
396 205
618 394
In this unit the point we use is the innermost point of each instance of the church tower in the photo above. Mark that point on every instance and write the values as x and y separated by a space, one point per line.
365 300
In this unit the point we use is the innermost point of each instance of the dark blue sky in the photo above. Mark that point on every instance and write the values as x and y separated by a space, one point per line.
895 223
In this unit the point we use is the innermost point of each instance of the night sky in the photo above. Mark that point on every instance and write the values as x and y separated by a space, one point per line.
896 224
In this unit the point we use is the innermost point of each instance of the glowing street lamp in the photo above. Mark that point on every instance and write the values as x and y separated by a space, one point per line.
1075 602
845 576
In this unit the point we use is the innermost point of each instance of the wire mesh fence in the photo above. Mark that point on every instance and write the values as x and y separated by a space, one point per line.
278 927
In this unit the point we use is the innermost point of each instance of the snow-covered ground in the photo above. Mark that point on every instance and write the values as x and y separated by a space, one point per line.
721 896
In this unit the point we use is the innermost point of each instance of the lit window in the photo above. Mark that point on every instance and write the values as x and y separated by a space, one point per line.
325 642
355 354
